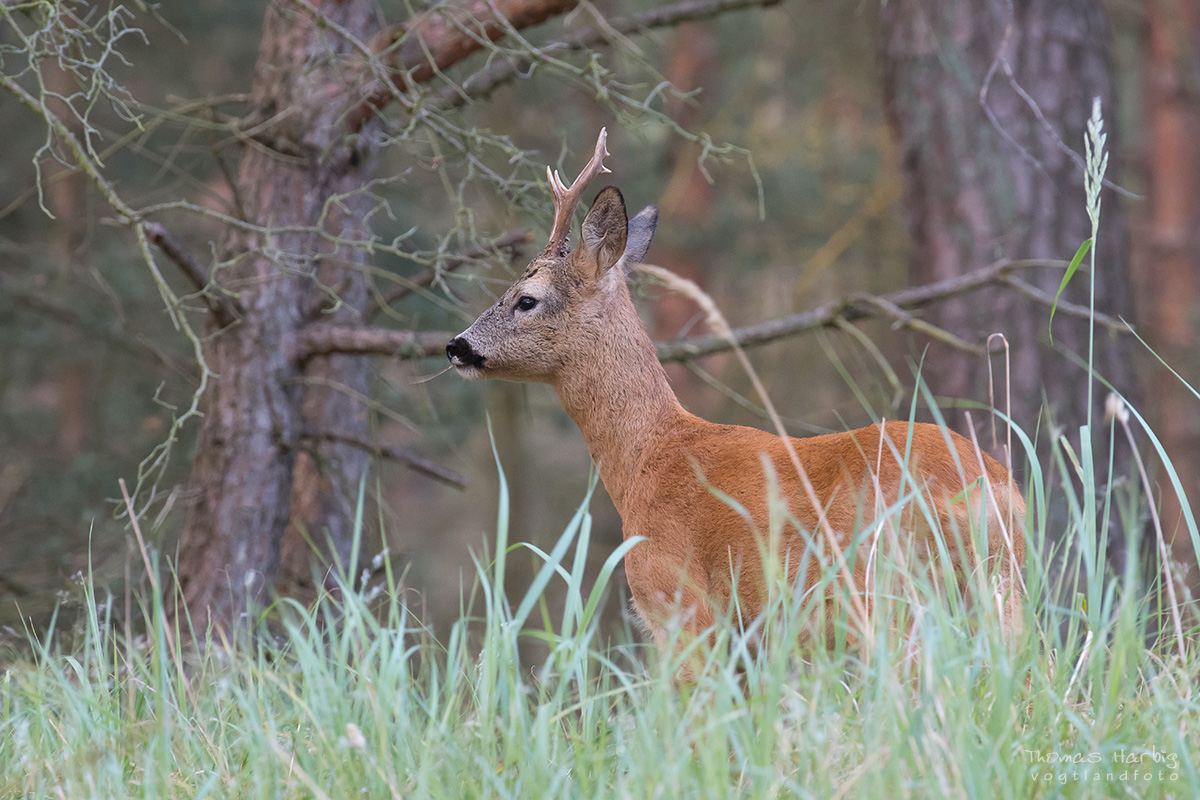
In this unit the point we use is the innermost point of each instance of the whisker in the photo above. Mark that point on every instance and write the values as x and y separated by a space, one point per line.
431 377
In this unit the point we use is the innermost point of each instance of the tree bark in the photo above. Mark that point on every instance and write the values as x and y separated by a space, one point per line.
66 199
1172 261
687 199
282 417
985 100
989 102
251 477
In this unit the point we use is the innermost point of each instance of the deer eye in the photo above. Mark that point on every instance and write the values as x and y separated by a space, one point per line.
526 303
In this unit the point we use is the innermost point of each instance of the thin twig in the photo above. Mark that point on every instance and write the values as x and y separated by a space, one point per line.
152 574
1065 306
1001 62
904 319
434 40
224 309
393 453
509 243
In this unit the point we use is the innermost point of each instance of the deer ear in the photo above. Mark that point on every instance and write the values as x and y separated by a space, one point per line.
641 231
605 231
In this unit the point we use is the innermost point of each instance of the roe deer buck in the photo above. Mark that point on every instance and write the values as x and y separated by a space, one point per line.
569 321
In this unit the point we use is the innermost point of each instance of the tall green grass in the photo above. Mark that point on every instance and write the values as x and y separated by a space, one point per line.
355 697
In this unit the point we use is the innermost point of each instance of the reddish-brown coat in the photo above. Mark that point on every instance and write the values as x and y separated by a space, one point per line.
668 471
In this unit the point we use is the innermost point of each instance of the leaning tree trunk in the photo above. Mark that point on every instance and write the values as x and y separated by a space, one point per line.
989 103
255 471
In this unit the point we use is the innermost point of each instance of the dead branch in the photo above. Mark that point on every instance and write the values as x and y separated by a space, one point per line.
224 309
487 80
434 40
1064 306
326 339
905 319
399 454
509 243
858 307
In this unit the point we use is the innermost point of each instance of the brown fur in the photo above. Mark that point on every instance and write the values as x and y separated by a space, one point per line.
661 464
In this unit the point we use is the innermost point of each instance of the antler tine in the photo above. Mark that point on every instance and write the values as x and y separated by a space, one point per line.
566 199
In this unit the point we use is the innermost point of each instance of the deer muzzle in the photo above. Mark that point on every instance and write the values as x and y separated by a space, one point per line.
462 355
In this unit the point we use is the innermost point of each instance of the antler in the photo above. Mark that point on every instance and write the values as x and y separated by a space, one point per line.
566 200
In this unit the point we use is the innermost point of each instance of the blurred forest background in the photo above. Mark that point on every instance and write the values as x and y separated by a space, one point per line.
775 139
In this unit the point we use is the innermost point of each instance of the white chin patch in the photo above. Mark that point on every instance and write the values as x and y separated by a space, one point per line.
470 373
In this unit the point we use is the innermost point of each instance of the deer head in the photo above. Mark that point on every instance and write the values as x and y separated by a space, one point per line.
558 310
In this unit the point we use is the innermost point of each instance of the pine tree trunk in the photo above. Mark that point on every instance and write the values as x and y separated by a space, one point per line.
1172 260
66 198
980 189
985 100
687 200
275 481
252 473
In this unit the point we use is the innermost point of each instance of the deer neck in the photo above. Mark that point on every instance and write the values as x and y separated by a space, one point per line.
619 397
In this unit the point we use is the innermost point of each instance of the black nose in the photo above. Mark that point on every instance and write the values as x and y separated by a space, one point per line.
461 354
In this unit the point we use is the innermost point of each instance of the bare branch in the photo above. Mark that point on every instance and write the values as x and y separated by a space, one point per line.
325 339
858 307
1064 306
1001 62
904 319
224 309
486 80
91 168
509 243
436 39
399 454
